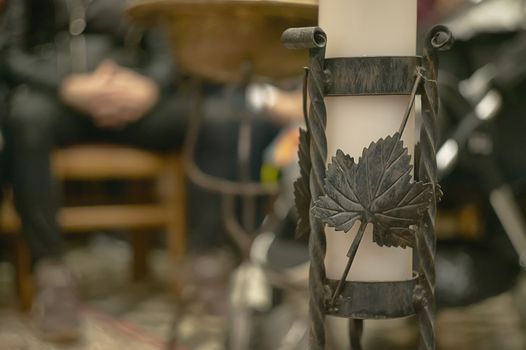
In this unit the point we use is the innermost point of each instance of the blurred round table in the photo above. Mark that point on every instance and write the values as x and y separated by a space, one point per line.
214 39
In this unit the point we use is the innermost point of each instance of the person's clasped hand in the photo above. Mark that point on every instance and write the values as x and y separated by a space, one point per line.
112 95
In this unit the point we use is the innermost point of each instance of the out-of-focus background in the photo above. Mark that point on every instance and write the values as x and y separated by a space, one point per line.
148 151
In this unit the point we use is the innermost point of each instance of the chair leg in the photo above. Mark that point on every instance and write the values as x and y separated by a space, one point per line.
23 276
174 198
140 245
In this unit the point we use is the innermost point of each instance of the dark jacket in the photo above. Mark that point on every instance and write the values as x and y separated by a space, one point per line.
3 71
40 43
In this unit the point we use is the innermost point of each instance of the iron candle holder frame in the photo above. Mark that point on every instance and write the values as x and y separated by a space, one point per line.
366 76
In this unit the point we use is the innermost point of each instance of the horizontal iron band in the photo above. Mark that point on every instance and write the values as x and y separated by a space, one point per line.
374 300
362 76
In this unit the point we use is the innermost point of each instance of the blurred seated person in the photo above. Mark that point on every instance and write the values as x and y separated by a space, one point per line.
81 73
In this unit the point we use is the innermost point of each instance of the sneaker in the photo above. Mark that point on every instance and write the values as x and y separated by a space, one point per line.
56 309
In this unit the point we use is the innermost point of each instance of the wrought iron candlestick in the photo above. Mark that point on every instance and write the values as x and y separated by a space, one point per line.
376 189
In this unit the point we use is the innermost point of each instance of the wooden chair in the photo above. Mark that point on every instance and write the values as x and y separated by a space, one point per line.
97 162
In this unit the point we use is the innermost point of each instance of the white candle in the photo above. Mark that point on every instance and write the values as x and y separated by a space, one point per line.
367 28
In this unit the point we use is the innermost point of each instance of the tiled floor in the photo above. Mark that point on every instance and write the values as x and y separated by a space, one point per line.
120 315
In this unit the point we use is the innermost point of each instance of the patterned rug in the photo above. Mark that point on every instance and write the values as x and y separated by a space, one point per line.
100 332
118 314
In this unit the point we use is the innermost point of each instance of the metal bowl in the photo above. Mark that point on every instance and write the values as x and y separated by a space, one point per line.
215 39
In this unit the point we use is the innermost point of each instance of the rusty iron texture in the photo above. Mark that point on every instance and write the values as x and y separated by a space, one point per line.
314 39
358 76
374 300
370 76
439 38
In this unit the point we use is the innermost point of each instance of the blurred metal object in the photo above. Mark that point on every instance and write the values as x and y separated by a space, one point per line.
487 102
485 91
509 213
488 16
211 39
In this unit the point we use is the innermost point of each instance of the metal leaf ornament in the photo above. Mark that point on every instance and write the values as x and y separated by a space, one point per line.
378 190
302 195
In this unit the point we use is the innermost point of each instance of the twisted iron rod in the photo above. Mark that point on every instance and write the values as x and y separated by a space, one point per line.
316 123
439 38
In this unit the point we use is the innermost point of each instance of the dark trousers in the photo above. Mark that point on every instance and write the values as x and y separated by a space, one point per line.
38 123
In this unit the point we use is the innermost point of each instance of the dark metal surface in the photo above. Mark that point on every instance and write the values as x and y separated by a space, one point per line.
355 76
315 39
374 300
302 197
439 38
316 124
377 190
404 218
304 38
